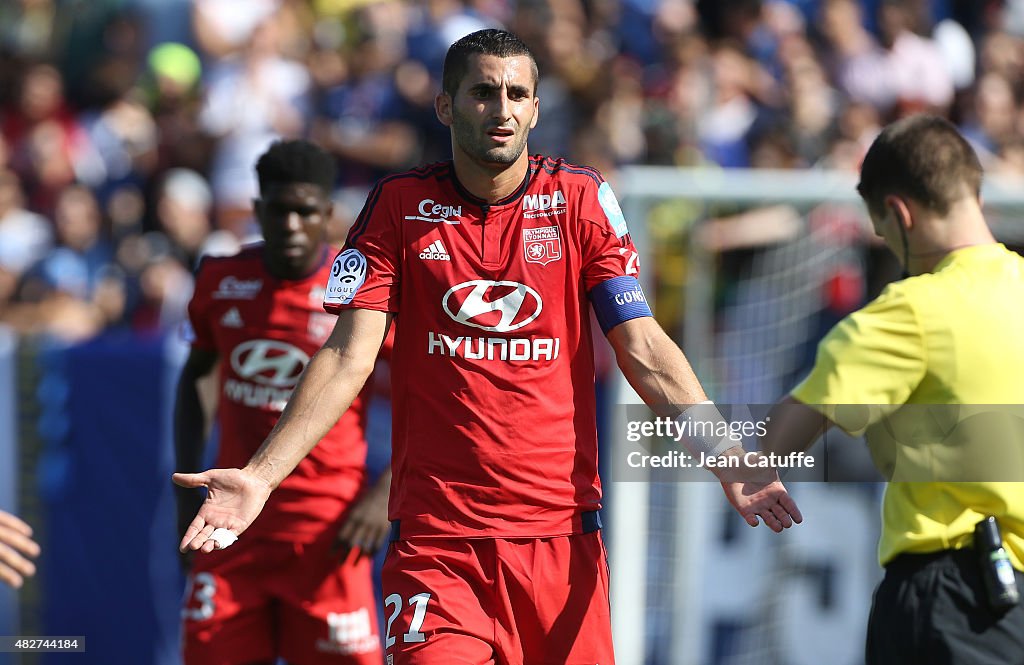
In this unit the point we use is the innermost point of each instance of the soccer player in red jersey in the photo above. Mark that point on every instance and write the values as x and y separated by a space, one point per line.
489 260
285 590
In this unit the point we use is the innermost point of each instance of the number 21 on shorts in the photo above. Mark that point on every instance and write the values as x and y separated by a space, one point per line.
419 602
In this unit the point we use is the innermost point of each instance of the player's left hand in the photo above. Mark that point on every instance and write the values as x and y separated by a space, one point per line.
762 495
366 527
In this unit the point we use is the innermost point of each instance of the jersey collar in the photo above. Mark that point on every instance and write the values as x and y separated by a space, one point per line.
479 202
982 252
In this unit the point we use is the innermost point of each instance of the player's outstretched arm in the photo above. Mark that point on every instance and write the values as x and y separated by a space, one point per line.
330 382
655 366
17 549
661 375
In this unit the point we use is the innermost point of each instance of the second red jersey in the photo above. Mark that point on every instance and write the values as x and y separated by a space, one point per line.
265 330
493 366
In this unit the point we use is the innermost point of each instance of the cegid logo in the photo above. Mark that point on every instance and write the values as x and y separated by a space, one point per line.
436 213
492 306
269 362
233 288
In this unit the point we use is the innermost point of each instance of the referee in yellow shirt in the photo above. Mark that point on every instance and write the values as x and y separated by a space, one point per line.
906 370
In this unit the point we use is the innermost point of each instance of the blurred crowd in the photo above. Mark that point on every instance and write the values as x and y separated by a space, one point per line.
129 128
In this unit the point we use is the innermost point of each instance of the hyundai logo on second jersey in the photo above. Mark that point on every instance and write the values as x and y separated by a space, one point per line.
267 372
269 362
492 306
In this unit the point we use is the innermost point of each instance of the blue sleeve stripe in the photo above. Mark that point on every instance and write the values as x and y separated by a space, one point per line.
617 300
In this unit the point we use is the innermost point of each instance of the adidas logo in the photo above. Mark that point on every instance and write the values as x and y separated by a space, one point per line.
232 319
436 252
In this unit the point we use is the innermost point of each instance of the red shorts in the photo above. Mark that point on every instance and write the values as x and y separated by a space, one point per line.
506 601
258 600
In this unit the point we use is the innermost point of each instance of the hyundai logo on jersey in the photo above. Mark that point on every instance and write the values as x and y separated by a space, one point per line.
492 306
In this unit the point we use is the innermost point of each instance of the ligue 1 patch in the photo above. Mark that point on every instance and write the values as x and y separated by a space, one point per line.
542 245
347 274
610 205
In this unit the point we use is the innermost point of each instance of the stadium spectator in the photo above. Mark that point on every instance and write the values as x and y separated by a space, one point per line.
25 237
49 148
170 88
364 120
495 445
183 206
17 549
274 88
914 69
76 290
285 591
946 335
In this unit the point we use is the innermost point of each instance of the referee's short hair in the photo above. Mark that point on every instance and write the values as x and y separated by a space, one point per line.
922 157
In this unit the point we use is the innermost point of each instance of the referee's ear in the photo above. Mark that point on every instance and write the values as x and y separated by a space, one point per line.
900 210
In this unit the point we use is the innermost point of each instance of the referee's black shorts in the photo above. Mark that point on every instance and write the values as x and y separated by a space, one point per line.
930 609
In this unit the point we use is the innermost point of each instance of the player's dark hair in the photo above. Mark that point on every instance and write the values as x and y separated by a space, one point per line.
499 43
296 161
922 157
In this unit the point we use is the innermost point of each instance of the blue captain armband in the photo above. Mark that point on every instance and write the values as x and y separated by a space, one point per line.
617 300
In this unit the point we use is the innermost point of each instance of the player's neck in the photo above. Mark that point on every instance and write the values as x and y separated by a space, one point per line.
490 182
285 271
965 227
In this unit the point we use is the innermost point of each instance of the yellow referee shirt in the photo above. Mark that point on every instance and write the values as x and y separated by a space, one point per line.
914 370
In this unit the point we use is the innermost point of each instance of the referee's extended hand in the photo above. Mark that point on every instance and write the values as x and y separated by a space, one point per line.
234 499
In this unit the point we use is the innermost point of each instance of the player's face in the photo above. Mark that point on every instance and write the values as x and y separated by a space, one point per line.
494 109
293 218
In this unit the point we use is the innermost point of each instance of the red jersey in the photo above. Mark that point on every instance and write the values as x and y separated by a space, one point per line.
494 412
265 330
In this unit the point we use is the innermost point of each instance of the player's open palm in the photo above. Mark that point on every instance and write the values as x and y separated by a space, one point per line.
234 498
758 492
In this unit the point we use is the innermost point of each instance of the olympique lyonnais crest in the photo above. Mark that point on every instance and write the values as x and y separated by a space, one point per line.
542 245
